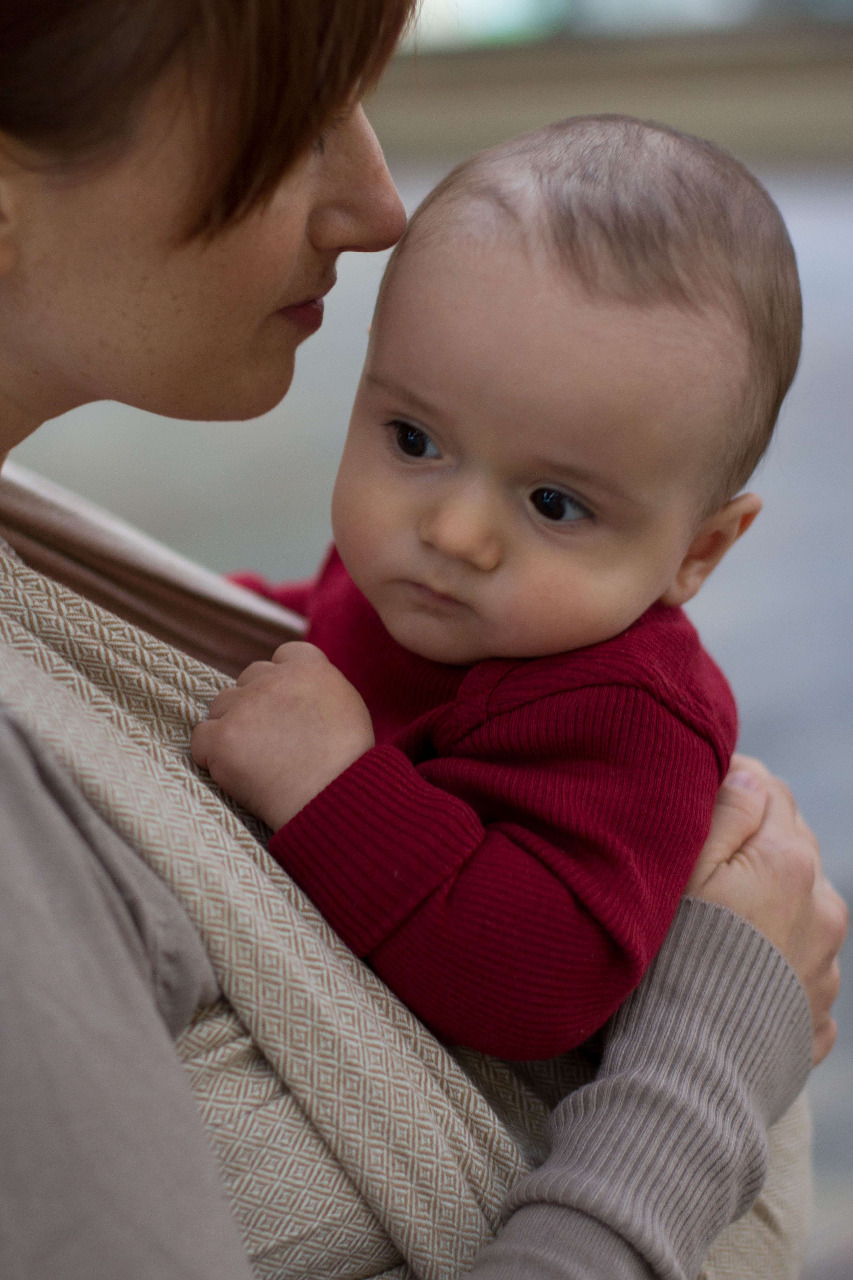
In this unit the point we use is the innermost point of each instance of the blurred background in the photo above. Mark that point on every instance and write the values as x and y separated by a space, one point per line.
773 81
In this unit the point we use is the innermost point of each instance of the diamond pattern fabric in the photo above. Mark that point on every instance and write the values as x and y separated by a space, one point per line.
351 1141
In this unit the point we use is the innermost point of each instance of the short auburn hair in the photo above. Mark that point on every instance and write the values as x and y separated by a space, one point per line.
645 214
274 73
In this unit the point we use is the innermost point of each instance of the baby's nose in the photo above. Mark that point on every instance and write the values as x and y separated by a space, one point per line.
465 527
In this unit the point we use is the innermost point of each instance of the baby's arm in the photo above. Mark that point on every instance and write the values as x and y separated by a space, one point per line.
513 896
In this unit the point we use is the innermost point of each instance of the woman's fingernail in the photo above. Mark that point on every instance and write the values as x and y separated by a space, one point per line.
746 781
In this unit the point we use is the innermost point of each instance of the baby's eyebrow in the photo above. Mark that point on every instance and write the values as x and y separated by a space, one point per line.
402 392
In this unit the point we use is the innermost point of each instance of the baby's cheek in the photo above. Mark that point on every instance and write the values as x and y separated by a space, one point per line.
563 610
365 531
350 526
359 547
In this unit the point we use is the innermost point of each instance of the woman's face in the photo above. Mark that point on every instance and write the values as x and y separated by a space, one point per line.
100 298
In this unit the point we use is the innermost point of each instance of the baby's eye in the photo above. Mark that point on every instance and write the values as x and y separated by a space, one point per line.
414 442
555 505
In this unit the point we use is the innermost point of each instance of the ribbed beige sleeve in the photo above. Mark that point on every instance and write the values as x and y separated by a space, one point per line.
669 1144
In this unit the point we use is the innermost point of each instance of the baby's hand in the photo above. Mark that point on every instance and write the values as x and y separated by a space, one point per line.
283 733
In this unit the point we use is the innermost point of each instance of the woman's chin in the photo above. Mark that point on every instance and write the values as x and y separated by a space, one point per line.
243 409
222 400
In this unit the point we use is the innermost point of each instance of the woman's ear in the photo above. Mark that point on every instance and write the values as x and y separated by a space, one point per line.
710 543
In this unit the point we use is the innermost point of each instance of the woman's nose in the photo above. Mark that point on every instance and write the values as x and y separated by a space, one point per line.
464 527
359 207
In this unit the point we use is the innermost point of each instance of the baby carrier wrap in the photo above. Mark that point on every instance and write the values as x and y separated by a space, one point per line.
351 1142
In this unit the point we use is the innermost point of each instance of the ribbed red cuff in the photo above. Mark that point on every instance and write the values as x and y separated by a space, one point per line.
374 844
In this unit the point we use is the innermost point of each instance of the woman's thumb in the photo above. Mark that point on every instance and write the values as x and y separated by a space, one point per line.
738 813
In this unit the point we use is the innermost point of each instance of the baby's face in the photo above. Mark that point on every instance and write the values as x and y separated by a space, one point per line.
524 467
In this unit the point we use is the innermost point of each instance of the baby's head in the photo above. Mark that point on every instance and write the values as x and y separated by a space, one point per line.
578 355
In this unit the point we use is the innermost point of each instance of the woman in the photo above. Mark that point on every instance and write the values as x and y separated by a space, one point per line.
177 179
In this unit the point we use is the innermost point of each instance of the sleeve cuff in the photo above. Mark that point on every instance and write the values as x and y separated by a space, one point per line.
746 1003
669 1144
543 1242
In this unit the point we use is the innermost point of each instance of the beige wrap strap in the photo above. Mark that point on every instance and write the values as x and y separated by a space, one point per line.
116 566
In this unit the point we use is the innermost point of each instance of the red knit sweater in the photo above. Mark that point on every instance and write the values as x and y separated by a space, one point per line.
510 854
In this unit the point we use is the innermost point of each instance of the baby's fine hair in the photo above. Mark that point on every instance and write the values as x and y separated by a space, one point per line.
645 214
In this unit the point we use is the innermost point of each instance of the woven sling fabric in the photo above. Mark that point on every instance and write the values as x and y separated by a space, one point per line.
350 1140
353 1145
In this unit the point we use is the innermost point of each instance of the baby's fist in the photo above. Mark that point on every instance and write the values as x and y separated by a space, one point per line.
283 732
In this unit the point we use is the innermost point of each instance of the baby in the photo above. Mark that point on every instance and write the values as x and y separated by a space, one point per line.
494 765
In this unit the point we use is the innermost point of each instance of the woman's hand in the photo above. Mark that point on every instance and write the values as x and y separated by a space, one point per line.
763 862
283 732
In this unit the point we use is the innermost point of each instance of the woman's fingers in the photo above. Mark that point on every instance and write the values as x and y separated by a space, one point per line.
762 861
738 814
784 845
749 764
823 992
823 981
824 1039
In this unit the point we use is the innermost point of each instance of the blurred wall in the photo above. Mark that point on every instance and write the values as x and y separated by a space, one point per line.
772 95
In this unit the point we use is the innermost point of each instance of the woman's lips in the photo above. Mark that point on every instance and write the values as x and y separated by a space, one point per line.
307 315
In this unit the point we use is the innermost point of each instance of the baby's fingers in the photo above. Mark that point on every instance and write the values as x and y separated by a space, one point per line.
207 732
201 743
299 652
253 673
223 702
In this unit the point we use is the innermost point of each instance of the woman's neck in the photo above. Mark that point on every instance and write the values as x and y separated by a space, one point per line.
16 423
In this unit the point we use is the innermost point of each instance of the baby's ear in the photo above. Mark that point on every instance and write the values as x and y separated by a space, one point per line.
710 543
